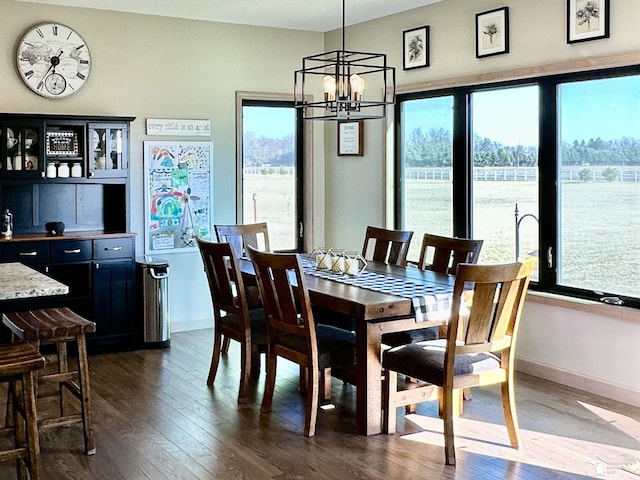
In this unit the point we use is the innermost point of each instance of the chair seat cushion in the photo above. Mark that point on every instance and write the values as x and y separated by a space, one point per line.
257 321
396 339
425 361
336 347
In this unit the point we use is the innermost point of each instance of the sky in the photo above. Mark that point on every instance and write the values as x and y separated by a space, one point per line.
609 109
270 122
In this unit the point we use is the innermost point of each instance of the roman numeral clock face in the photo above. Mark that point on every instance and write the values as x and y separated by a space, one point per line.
53 60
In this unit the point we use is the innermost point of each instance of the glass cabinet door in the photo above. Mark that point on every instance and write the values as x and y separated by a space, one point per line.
22 149
107 150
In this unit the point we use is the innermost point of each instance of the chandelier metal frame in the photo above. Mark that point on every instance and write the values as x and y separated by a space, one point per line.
342 65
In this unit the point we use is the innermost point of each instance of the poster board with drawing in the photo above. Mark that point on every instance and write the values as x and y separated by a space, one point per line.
177 190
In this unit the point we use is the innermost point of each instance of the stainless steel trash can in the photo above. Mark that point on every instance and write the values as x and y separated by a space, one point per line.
153 281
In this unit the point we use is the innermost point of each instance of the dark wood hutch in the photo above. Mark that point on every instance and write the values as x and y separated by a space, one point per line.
73 169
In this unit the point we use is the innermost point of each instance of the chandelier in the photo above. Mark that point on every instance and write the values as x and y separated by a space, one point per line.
343 75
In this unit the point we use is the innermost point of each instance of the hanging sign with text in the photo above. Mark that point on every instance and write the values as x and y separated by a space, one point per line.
178 127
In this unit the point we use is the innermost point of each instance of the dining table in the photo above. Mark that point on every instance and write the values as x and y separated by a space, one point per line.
376 310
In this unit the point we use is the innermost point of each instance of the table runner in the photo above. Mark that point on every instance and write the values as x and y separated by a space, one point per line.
430 302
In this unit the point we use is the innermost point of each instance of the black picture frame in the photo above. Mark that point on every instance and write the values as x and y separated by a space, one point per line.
62 143
351 138
492 32
587 20
415 48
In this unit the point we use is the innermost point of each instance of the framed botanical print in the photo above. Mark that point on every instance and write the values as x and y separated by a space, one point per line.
587 20
492 32
416 48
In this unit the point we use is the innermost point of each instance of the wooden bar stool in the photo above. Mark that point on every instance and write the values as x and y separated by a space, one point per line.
18 363
60 326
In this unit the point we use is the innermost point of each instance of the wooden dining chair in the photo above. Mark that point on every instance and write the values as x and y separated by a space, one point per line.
232 317
389 246
240 237
484 355
443 255
293 334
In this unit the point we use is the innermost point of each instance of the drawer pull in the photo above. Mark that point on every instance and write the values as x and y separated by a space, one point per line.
77 250
28 254
115 249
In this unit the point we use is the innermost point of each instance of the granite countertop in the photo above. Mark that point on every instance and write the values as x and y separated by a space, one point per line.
19 281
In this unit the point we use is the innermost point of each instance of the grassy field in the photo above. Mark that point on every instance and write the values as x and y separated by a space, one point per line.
600 227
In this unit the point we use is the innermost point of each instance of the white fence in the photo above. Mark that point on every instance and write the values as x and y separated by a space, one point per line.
269 170
490 174
513 174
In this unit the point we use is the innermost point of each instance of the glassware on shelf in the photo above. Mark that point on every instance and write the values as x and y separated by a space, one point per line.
51 170
63 170
76 170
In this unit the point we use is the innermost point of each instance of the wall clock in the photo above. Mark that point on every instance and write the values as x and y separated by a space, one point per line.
53 60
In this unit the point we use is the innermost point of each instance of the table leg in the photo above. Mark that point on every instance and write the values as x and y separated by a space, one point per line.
369 375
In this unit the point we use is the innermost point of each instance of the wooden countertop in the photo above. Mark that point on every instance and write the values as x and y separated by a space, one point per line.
30 237
19 281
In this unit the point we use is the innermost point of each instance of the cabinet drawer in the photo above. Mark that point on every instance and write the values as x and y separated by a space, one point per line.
108 248
29 253
63 251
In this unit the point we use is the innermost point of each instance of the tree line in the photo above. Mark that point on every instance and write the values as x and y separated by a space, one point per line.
433 149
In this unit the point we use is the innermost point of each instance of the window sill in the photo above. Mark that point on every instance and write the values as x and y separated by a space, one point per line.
587 306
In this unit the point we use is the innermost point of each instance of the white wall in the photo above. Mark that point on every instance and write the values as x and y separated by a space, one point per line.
582 349
157 67
595 351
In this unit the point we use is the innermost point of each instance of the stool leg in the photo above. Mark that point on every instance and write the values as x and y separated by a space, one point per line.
31 419
19 432
8 416
87 420
63 367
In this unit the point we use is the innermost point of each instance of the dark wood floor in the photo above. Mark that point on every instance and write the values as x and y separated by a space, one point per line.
155 418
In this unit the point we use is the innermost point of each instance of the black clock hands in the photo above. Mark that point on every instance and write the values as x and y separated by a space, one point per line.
55 60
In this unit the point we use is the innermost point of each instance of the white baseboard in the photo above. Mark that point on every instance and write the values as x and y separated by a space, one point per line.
572 379
186 326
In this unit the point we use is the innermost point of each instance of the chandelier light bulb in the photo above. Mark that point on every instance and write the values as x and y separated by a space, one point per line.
357 86
329 88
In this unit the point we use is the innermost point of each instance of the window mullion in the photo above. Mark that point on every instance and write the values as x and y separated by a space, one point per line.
462 163
547 185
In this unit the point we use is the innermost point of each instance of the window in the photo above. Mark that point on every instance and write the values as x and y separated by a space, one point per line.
271 170
426 167
599 189
565 149
505 171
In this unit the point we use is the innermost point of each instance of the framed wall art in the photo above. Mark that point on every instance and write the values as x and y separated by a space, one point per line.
415 48
177 194
351 138
587 20
492 32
